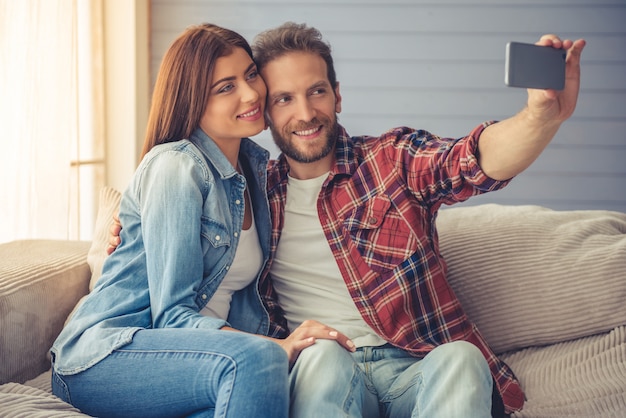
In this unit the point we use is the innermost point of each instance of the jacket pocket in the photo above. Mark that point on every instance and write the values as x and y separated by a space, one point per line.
215 233
381 234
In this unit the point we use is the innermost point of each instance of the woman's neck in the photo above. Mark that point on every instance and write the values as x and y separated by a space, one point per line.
230 149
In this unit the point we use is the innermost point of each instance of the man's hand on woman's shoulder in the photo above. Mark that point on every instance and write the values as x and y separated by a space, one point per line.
114 237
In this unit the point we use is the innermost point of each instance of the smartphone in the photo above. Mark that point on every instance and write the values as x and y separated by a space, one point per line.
533 66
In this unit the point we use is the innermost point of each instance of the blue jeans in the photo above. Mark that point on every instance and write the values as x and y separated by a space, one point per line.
453 380
184 372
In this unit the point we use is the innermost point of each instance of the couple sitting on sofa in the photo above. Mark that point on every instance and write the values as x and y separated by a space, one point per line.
352 244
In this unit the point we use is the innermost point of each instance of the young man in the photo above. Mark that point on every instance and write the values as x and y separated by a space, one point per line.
354 244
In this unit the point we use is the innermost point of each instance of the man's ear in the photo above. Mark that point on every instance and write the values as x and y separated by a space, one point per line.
337 98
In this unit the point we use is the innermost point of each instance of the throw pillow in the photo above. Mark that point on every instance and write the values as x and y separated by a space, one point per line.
531 276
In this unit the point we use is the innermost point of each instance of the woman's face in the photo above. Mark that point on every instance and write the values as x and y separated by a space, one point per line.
236 101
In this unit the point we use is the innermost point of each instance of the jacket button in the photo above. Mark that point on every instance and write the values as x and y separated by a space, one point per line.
237 202
204 296
236 234
217 238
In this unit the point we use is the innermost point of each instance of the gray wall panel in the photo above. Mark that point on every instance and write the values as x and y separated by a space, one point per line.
439 66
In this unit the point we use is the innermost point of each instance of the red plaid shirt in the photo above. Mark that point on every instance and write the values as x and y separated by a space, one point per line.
378 209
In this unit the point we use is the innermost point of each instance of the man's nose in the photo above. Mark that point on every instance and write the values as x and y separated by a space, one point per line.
305 111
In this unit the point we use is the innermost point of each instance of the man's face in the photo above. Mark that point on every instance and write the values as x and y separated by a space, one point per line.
302 106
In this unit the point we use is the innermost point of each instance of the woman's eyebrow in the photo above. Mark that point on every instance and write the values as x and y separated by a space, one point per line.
231 78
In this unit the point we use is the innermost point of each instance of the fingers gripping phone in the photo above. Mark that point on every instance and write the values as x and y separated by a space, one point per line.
534 66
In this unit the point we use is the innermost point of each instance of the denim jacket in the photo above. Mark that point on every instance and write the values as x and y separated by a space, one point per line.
182 215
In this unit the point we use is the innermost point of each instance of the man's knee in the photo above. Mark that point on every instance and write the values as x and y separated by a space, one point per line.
461 352
323 355
461 356
326 381
456 380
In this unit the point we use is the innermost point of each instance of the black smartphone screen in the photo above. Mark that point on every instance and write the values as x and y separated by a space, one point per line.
534 66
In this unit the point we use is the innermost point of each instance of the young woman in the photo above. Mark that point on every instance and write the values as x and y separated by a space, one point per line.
156 337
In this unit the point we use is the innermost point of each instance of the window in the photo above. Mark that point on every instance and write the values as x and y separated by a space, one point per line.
52 118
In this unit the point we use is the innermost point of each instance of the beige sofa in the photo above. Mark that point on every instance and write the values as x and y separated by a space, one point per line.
546 288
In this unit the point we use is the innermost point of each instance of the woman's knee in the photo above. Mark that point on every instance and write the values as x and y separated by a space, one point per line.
269 354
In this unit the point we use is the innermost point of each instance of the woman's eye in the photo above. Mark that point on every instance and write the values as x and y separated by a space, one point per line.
226 88
252 75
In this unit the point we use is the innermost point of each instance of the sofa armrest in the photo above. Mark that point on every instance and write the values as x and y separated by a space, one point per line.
40 283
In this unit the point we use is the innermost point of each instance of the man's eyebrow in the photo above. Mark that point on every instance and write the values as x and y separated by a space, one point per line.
231 78
317 85
321 83
278 94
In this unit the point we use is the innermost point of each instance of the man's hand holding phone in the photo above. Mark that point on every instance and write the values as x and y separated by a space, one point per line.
550 70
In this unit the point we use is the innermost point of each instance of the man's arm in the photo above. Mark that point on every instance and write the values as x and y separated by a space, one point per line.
114 234
507 148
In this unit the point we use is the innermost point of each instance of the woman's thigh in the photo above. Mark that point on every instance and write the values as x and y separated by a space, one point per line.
174 372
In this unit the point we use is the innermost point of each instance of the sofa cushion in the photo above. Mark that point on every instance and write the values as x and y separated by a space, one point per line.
18 401
529 276
108 205
576 379
40 282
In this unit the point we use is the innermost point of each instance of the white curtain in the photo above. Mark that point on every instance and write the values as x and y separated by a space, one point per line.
51 118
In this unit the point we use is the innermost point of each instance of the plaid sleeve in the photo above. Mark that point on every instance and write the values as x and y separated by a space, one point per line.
278 323
442 170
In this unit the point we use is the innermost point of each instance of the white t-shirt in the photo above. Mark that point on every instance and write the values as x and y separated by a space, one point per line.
305 274
245 268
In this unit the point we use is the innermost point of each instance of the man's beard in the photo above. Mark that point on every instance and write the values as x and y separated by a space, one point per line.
287 147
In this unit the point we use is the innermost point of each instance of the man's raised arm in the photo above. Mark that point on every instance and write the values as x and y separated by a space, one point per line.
507 148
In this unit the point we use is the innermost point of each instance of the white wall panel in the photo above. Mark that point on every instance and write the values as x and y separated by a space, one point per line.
439 66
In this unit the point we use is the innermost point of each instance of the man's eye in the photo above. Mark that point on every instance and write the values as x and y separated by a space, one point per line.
284 99
318 92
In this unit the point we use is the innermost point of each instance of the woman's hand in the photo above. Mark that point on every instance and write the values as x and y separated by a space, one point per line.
305 336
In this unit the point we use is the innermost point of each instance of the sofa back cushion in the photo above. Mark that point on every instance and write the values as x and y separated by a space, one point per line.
40 282
529 276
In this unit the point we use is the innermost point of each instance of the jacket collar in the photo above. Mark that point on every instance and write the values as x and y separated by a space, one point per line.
249 151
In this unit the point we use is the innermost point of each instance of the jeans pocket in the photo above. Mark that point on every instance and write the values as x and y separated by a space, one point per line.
59 388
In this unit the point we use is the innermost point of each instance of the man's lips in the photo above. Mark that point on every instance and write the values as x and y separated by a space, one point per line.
308 132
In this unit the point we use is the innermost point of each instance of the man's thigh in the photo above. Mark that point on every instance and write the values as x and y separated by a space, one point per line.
452 380
396 377
327 381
